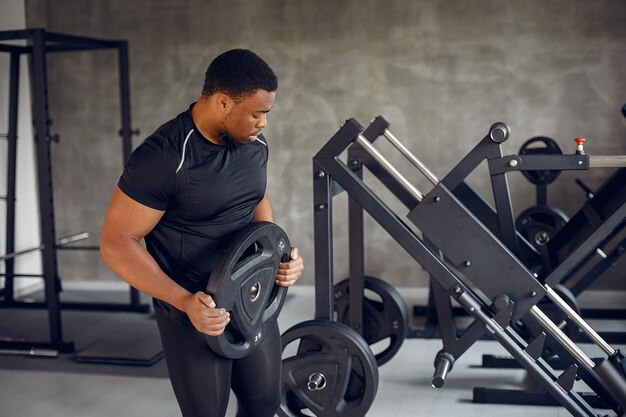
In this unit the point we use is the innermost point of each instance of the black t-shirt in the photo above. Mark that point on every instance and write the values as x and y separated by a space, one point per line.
207 192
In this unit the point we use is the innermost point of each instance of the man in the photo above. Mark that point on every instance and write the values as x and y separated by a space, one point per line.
198 178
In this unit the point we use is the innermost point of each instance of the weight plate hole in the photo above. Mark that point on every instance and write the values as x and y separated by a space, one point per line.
252 250
255 291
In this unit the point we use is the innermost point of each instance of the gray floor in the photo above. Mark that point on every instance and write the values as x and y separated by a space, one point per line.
404 388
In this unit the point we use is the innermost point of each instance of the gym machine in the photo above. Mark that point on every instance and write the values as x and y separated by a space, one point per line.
484 272
533 229
39 44
555 236
541 225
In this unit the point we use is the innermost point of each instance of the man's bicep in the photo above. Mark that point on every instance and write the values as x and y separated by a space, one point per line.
128 218
263 211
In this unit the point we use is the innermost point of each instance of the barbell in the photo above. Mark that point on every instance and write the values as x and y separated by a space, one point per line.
58 244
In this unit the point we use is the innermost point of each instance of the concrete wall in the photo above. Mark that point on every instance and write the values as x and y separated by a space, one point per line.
440 71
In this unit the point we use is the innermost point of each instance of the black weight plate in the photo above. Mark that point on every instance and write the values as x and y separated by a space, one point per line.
541 145
539 224
243 283
385 316
328 371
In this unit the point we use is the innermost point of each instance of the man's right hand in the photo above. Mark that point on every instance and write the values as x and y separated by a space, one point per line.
204 315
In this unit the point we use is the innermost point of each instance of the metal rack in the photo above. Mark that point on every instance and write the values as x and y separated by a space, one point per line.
39 44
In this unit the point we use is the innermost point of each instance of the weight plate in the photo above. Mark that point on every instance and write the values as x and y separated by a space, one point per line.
546 146
243 283
385 316
539 224
328 371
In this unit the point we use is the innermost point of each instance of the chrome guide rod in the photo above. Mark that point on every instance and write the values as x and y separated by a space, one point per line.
584 326
558 334
370 149
405 151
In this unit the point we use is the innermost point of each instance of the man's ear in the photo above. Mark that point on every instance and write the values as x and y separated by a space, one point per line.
224 101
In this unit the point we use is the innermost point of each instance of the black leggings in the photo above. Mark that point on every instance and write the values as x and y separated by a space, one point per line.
202 379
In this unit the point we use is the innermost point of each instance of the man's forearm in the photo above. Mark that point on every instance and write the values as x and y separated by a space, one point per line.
131 262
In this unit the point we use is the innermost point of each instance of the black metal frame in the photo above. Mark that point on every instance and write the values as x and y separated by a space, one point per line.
609 252
39 44
495 220
441 216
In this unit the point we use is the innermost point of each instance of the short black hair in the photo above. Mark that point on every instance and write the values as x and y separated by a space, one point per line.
238 72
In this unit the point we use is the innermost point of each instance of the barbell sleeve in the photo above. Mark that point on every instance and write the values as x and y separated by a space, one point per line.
405 151
316 382
443 364
72 238
370 149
